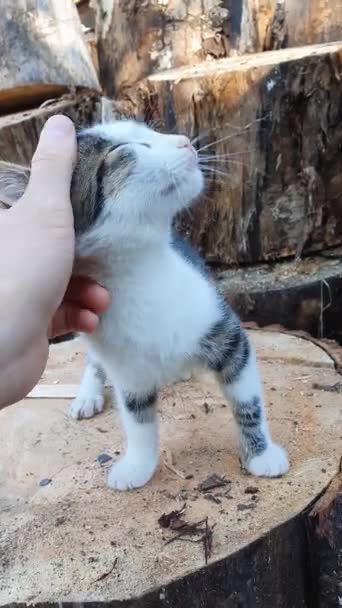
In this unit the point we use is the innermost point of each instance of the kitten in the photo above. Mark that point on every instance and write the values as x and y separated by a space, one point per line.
166 314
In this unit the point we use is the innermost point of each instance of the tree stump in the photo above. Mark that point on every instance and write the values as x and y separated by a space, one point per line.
276 119
43 53
304 295
64 537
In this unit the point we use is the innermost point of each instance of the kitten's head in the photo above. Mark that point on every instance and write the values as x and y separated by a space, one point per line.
126 175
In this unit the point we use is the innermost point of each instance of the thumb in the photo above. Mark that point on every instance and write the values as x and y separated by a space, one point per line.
52 165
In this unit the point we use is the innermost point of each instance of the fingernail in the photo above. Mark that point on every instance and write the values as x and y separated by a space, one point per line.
59 125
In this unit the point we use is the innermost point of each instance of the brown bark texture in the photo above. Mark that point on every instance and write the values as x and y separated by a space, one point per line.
42 53
274 179
136 39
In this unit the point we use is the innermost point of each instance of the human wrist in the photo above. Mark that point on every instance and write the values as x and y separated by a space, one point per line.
22 324
21 373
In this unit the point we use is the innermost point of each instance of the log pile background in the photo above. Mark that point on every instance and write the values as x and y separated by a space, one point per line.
262 79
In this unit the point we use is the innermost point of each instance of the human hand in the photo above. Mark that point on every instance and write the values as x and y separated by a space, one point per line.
37 298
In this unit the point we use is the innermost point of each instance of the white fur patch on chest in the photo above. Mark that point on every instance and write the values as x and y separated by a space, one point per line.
159 312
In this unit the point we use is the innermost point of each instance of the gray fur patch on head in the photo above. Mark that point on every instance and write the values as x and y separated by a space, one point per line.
100 173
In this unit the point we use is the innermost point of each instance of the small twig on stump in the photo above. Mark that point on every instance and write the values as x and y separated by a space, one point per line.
105 574
206 537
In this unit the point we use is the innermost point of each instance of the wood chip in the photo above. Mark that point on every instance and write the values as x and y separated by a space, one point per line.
212 482
200 529
242 507
213 498
168 461
251 490
172 519
329 388
105 574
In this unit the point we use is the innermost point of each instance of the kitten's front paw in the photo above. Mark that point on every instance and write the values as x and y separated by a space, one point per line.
86 407
273 462
127 475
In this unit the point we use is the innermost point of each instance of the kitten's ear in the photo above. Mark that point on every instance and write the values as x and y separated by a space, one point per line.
13 182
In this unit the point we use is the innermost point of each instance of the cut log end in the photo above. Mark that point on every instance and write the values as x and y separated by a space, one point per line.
43 54
30 96
19 132
66 537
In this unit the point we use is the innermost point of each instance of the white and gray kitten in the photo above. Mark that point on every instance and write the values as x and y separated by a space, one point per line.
166 315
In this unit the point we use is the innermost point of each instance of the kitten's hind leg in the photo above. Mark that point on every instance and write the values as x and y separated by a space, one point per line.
90 397
229 353
136 467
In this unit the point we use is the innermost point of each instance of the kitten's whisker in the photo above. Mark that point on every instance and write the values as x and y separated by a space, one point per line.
221 160
226 155
195 140
199 136
239 129
219 141
231 135
248 125
226 161
213 170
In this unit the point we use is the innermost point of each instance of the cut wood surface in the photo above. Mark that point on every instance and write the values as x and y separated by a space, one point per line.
19 132
65 537
136 39
304 294
276 117
43 53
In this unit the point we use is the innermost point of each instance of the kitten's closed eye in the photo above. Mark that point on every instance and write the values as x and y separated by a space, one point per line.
137 143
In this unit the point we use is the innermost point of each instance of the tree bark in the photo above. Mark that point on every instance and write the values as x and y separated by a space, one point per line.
307 22
136 39
43 53
57 537
325 529
276 119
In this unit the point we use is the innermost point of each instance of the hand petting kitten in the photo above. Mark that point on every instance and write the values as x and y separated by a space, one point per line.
37 298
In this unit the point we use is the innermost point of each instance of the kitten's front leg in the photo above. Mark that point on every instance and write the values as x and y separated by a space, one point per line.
136 467
230 354
90 396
